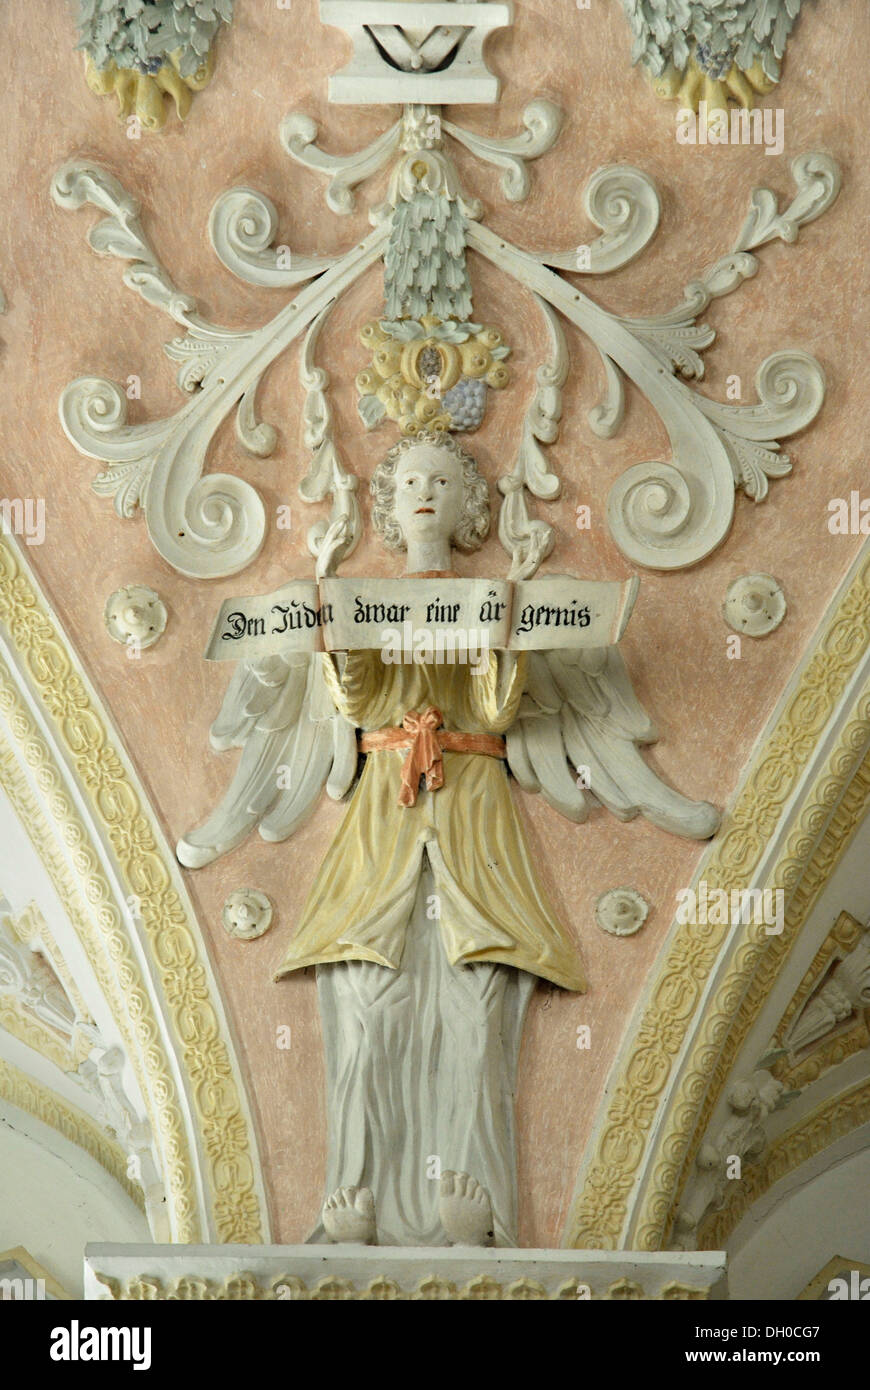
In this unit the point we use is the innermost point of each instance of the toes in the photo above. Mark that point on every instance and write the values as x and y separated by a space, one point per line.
758 79
169 81
149 103
365 1201
668 84
692 86
740 89
448 1183
715 95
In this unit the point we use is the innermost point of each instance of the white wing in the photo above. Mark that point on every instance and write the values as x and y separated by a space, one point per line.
279 712
579 713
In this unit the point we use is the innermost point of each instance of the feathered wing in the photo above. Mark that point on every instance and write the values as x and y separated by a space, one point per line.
293 740
580 713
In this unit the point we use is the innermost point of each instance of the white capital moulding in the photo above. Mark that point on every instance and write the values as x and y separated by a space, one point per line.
420 37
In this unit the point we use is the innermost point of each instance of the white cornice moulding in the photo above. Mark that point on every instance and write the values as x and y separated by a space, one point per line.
291 1272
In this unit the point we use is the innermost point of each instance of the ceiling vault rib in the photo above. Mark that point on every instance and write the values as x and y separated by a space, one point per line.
153 967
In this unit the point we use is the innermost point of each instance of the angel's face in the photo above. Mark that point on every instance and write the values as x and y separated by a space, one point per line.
430 494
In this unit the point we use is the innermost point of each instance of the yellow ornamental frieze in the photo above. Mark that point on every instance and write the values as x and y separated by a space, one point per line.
116 971
74 1124
482 1288
812 876
23 1025
225 1135
595 1221
807 863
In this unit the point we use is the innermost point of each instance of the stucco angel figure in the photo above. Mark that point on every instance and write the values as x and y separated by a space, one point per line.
427 922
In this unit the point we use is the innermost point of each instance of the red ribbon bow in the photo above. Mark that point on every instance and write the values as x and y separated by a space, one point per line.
424 755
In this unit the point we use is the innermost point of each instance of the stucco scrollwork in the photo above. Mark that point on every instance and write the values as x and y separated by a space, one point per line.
666 513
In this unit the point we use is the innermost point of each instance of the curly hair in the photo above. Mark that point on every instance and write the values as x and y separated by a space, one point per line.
473 527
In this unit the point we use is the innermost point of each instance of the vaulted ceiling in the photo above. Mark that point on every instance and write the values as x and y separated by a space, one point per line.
134 1030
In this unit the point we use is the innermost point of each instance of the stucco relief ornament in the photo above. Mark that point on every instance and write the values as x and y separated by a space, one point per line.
135 615
665 514
247 914
150 52
621 911
754 604
715 51
430 374
427 923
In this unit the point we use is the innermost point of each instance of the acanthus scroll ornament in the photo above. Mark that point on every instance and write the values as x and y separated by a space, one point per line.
204 526
665 513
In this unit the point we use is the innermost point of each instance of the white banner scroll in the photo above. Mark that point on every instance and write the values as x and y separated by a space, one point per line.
559 611
408 614
290 619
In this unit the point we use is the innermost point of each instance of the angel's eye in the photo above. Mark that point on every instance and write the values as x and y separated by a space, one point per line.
443 482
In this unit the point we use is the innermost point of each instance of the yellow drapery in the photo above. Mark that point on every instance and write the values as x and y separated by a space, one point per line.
489 904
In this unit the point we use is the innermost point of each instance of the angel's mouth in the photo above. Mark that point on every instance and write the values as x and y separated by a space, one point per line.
425 511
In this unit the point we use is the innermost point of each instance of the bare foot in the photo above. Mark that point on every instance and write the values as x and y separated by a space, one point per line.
349 1215
691 85
466 1211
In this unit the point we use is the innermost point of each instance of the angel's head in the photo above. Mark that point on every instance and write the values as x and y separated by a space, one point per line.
428 489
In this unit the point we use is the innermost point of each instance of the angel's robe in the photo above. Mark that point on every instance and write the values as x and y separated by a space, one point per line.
490 905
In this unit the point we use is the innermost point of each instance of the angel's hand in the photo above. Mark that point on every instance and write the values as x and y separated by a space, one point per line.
529 557
334 540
